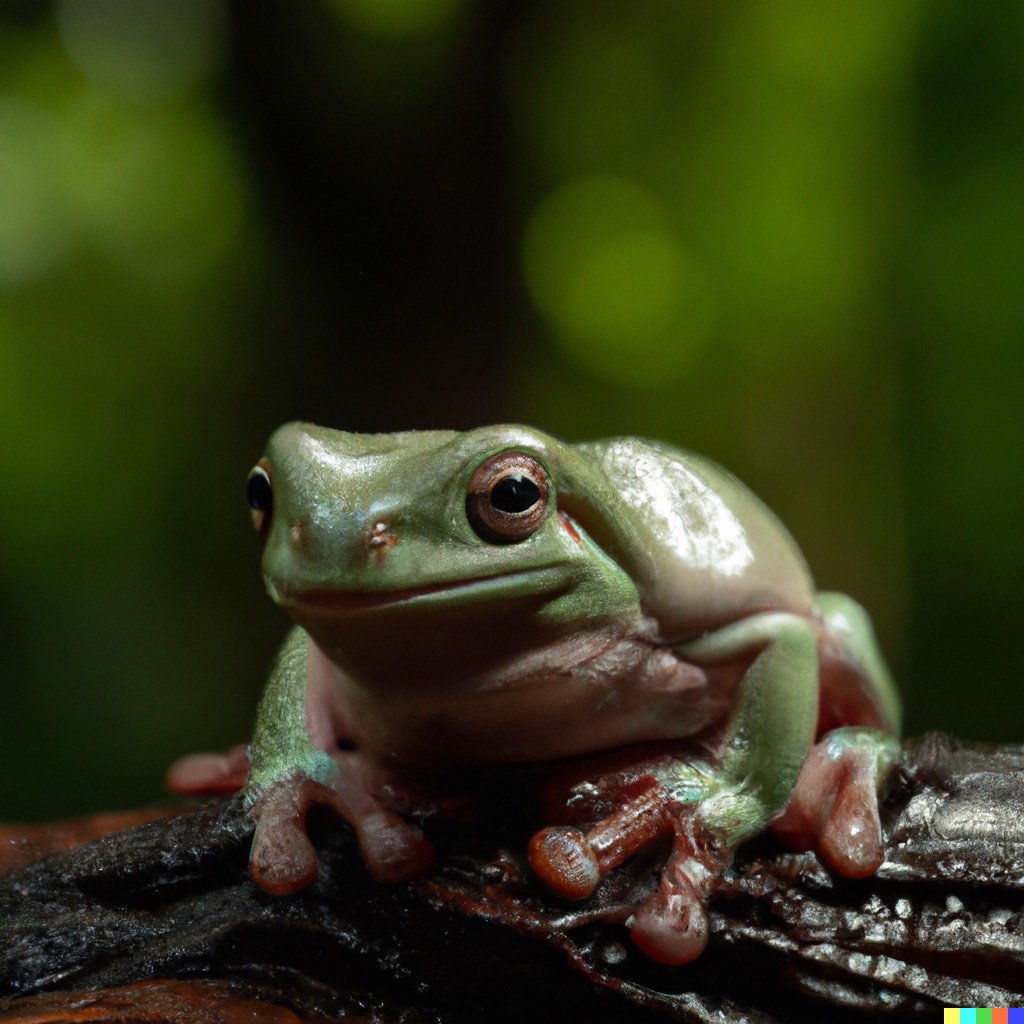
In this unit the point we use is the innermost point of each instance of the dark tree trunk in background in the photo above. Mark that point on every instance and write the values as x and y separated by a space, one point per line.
386 197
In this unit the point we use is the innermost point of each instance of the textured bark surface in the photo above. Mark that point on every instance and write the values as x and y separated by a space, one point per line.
161 923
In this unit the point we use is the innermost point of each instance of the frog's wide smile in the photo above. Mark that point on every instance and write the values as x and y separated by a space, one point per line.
550 580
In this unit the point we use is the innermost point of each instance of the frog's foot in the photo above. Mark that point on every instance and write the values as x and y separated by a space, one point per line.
671 925
209 774
283 860
834 805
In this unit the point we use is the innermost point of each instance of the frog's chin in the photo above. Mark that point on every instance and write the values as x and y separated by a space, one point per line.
300 600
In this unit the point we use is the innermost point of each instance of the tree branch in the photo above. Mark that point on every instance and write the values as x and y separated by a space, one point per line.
162 920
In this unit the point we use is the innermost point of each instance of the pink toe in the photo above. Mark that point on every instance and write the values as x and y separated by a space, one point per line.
671 927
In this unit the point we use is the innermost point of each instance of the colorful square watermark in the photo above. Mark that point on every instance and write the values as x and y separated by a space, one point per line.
983 1015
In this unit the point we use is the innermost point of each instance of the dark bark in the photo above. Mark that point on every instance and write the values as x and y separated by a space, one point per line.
161 923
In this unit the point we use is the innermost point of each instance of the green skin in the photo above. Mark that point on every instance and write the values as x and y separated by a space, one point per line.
653 599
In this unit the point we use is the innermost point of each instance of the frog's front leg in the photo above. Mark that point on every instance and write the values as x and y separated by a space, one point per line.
711 810
296 764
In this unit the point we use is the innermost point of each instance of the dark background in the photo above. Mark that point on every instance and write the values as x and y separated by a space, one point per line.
789 237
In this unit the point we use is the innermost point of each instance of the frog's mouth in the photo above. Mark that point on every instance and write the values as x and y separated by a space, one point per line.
321 600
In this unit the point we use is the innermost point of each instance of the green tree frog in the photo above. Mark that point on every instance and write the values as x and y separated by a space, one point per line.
499 597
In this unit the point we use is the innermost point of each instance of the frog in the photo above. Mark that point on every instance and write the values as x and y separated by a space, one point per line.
475 600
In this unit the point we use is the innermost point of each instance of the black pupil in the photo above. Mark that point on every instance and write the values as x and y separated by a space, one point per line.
515 494
258 492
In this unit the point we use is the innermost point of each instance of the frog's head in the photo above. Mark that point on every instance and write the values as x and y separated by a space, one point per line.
359 526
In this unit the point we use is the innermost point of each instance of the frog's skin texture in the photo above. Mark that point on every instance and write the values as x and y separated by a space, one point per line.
499 597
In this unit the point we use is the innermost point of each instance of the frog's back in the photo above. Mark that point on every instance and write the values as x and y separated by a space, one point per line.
705 549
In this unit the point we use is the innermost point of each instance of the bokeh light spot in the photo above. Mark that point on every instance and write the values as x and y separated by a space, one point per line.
159 188
143 50
34 234
625 297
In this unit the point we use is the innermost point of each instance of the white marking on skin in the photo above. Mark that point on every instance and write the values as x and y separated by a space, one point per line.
703 529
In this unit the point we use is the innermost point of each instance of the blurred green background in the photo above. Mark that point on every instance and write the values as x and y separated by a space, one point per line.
788 236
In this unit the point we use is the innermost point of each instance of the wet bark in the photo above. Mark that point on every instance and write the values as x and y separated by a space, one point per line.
160 922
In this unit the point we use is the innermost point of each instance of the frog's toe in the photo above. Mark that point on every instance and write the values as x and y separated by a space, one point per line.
851 839
282 860
565 862
671 927
209 774
570 862
393 850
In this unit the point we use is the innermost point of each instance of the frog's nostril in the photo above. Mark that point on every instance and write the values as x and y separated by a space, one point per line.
379 539
299 532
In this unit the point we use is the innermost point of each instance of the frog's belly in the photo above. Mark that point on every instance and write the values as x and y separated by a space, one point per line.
630 693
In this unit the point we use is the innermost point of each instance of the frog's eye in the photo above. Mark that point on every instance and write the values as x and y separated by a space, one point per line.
507 498
260 495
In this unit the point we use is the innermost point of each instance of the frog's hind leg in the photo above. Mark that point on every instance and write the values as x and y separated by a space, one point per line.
834 805
856 685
